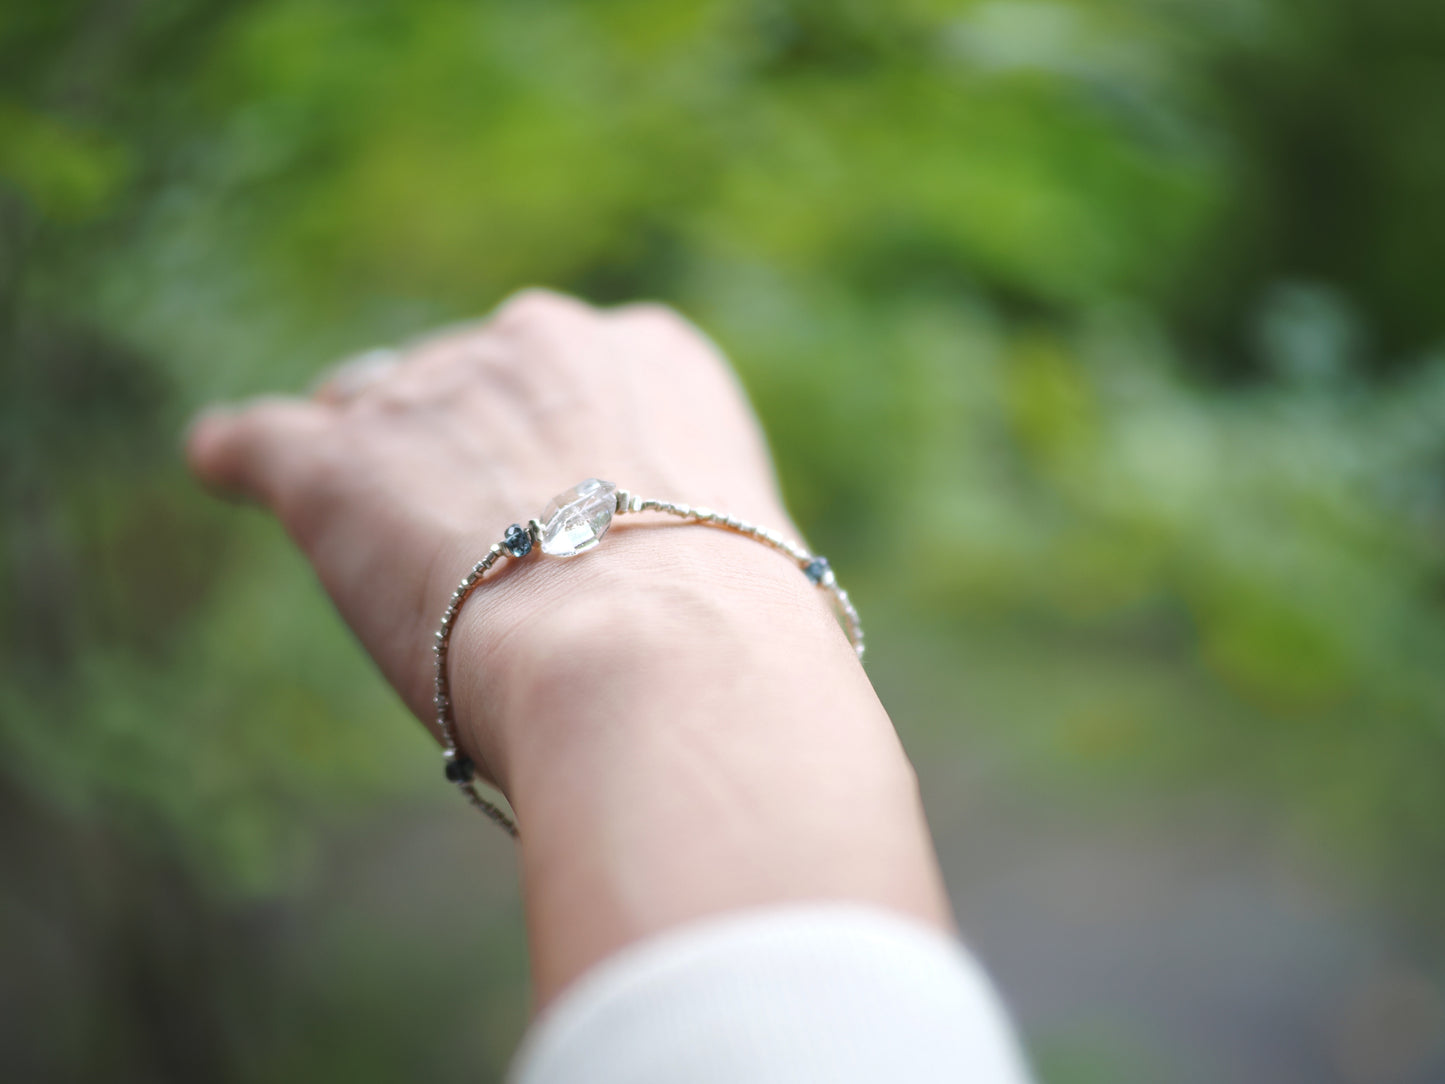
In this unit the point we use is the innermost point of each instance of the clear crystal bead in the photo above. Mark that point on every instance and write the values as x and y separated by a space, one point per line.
576 520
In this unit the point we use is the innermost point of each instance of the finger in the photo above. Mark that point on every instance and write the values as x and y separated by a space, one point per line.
251 451
349 378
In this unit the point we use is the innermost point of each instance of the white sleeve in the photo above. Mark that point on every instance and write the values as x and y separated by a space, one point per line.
836 993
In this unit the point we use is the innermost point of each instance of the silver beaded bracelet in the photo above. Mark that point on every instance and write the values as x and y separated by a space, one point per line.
573 523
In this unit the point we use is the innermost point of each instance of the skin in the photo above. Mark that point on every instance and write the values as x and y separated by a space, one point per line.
676 717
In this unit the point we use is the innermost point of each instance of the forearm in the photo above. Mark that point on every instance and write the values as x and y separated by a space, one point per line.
683 730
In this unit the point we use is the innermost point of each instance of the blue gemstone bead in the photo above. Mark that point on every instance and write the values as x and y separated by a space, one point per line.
817 569
460 770
518 540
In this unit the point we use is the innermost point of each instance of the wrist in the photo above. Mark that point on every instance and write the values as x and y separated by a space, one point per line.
655 598
683 728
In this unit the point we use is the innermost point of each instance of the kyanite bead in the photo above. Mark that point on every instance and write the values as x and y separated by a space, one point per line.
576 520
518 540
460 769
818 570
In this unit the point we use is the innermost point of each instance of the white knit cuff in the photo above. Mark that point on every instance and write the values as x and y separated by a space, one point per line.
827 992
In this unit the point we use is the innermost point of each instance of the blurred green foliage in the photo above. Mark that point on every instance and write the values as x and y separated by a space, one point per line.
1106 330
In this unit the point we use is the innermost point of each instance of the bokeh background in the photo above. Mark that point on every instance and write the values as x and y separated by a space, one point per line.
1101 344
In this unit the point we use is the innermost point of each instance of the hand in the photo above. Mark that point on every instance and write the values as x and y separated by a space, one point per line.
395 491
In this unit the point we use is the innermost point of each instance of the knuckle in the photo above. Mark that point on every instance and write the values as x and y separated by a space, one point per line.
422 384
440 347
398 396
534 306
651 312
655 318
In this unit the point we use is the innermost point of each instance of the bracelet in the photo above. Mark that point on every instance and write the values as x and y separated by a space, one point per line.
573 523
